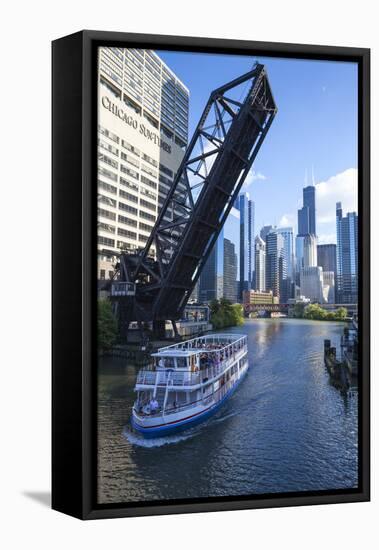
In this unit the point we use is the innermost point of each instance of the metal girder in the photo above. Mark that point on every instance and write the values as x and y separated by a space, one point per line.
215 165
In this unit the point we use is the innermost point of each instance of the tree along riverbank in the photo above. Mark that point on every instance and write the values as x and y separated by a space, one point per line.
315 312
225 314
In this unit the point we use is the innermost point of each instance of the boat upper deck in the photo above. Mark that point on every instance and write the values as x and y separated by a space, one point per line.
193 362
203 344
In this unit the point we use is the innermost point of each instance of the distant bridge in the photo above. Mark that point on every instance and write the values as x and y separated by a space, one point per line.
283 308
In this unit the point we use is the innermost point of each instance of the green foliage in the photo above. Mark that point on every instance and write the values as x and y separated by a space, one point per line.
226 314
314 311
107 329
298 311
317 313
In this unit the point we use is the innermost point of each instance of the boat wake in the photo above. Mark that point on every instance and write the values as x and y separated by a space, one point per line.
140 441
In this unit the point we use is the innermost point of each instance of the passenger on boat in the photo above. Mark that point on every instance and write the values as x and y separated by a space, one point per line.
161 363
154 405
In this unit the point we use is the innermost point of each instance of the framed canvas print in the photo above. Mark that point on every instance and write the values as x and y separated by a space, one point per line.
210 274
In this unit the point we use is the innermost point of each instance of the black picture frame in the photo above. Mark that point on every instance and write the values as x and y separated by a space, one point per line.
74 121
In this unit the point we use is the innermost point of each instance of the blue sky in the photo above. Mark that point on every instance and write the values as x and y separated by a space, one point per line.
316 126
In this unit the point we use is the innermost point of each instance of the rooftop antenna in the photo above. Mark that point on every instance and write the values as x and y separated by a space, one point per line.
313 177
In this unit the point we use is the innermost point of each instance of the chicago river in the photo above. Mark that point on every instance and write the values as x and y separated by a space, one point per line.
285 429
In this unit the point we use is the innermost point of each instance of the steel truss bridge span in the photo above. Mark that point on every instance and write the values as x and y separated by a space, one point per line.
230 132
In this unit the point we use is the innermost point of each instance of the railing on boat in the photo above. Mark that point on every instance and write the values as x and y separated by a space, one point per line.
211 398
184 378
238 341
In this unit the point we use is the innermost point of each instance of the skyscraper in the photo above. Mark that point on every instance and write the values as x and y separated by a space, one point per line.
309 200
327 259
310 251
306 221
347 256
246 209
260 264
230 271
276 271
142 135
312 283
219 277
303 221
287 234
211 278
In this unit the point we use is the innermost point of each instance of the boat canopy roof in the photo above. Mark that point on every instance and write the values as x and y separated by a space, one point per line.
199 345
174 352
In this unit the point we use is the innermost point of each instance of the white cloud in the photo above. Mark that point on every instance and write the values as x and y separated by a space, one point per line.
326 238
287 220
343 188
253 176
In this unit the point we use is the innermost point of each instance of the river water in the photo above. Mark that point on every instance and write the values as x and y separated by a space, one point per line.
286 428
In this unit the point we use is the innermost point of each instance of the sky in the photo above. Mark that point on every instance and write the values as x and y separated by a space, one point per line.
313 138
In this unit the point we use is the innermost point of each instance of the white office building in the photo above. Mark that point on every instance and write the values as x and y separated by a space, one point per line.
329 287
312 283
142 136
260 264
310 251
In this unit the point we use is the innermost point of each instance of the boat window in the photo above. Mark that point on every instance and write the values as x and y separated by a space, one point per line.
181 362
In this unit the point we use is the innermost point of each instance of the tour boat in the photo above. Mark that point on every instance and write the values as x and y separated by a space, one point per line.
187 382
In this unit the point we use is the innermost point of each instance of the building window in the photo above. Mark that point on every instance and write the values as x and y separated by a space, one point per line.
106 227
107 187
166 170
131 148
149 170
102 274
127 221
129 172
129 184
148 182
127 208
149 160
105 241
106 214
130 159
107 160
107 173
107 200
146 215
147 204
128 196
109 134
108 147
145 226
126 233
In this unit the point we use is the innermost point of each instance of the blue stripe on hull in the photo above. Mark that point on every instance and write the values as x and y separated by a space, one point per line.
185 424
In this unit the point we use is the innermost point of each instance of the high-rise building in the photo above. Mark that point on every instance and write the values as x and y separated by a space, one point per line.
310 251
347 256
311 283
246 209
230 271
266 229
309 201
287 234
142 136
260 264
303 221
212 275
276 270
219 277
327 258
328 287
306 220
